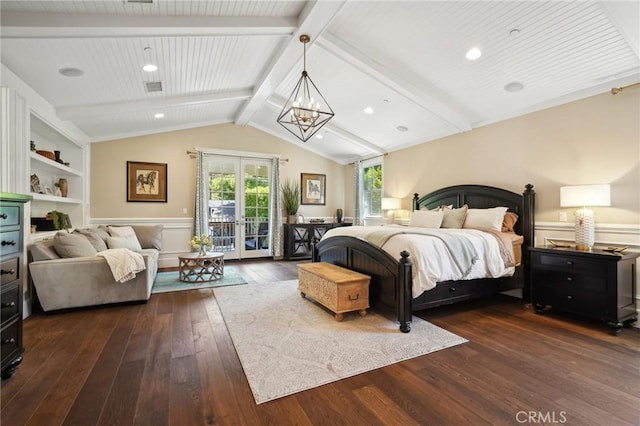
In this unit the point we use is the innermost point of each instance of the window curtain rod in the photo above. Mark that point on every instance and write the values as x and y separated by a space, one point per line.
369 158
193 153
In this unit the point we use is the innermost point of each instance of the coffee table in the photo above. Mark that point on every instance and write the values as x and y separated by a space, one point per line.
196 267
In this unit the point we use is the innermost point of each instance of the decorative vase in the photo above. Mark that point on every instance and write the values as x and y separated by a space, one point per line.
64 187
291 219
339 215
203 250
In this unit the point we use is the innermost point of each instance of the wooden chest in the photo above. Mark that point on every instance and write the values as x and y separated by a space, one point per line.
338 289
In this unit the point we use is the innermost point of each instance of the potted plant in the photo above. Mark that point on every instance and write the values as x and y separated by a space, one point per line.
290 199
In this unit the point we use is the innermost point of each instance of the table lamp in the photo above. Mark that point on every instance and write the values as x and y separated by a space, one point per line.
390 204
585 196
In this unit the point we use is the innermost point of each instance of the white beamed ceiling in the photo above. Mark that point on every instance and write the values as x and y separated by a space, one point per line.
237 61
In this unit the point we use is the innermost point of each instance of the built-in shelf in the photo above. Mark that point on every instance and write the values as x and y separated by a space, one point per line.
41 162
54 199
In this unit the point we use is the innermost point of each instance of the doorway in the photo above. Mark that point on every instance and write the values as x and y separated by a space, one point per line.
239 191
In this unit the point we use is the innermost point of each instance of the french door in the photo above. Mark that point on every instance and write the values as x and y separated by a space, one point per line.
239 191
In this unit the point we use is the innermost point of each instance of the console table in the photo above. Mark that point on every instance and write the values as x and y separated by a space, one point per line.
196 267
298 238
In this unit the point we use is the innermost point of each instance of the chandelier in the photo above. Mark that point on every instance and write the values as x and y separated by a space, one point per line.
306 110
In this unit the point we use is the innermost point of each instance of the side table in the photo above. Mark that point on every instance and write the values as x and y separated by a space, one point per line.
196 267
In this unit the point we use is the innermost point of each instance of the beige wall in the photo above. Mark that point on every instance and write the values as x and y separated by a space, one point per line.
595 140
109 159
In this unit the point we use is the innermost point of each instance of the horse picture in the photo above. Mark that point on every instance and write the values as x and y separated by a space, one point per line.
146 182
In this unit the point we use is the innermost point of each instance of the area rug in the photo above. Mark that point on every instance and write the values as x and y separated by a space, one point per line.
288 344
168 281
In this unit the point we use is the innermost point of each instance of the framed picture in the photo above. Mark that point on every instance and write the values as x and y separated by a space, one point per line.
312 188
146 181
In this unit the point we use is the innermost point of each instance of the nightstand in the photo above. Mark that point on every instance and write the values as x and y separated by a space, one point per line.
595 284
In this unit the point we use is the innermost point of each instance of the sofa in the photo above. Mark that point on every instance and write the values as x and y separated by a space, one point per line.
67 271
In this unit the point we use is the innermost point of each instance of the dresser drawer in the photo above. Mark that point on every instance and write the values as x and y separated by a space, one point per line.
570 264
9 300
571 281
9 242
9 339
9 271
9 215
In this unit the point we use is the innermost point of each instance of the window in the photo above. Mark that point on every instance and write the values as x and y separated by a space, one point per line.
371 174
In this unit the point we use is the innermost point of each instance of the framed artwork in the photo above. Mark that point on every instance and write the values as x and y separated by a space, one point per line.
312 188
146 181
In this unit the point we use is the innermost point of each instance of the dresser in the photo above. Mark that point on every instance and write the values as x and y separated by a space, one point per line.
299 237
595 284
12 273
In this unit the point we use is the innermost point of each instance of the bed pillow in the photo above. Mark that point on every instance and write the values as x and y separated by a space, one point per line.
426 219
73 245
454 218
509 222
130 242
485 218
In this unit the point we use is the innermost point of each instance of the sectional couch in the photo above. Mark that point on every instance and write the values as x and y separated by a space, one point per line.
67 272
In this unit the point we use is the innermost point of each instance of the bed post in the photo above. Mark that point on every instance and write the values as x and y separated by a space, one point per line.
528 232
405 296
415 201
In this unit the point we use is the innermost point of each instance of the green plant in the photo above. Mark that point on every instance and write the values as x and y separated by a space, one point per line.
290 196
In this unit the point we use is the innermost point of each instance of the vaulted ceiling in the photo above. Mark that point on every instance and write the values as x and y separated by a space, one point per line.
238 61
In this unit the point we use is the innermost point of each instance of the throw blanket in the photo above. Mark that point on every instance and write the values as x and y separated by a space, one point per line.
124 263
460 247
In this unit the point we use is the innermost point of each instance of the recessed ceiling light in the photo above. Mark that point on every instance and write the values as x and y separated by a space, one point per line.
402 128
71 72
473 53
514 86
150 68
319 136
159 115
368 110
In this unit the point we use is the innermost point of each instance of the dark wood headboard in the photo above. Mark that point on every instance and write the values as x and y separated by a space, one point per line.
484 197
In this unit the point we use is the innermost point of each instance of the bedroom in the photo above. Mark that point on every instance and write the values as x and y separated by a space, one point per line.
590 140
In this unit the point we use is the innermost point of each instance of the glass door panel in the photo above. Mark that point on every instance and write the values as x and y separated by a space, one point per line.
256 189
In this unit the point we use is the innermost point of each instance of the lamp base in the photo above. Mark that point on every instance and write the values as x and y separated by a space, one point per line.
585 230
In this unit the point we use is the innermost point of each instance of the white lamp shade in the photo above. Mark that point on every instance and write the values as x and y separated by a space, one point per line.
585 195
389 203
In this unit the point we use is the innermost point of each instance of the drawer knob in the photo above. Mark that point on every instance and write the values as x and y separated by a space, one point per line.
569 278
357 296
3 216
9 305
8 243
8 341
569 262
569 297
452 289
7 272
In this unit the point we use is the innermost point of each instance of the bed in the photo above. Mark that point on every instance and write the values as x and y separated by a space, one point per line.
391 282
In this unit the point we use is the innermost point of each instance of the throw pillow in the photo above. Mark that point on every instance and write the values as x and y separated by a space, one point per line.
94 238
454 218
426 219
149 236
73 245
121 231
485 218
130 242
510 219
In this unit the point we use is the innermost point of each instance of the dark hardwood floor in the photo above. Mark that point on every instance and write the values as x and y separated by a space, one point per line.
171 361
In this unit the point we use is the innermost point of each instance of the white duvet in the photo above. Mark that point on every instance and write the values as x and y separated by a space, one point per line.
432 262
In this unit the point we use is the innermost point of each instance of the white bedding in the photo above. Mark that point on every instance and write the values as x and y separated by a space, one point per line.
432 262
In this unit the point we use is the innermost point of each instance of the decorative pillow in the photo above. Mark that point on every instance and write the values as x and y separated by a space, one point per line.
130 242
454 218
510 219
149 236
94 238
103 231
121 231
426 219
73 245
485 218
